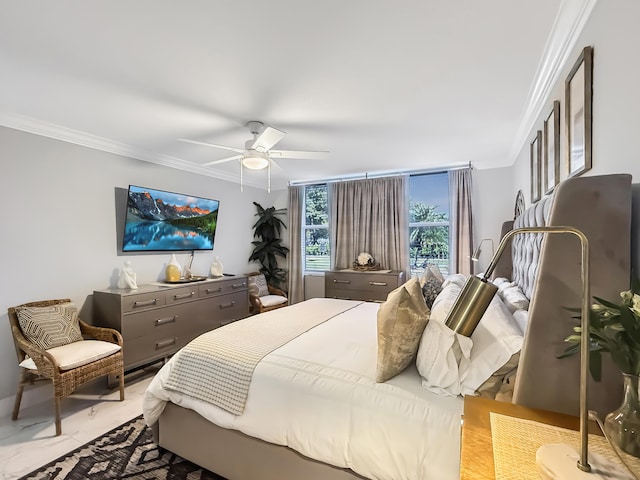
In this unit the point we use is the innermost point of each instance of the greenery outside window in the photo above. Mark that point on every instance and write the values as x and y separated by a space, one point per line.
429 222
316 229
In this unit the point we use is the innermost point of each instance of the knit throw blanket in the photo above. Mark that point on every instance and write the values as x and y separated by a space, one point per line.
217 366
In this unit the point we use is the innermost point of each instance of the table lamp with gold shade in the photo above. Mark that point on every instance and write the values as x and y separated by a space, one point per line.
555 461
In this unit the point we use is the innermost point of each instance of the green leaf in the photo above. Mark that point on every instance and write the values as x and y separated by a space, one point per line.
607 303
595 365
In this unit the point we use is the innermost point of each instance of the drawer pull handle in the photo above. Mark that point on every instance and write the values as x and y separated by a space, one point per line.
165 343
341 281
146 303
163 321
378 284
211 290
227 305
184 295
239 285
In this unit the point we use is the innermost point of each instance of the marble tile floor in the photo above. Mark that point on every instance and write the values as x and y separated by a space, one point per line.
92 410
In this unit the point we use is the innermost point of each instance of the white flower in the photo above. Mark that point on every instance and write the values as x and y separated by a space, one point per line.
635 308
364 259
627 297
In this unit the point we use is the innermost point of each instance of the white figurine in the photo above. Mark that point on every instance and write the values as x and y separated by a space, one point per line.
127 277
216 268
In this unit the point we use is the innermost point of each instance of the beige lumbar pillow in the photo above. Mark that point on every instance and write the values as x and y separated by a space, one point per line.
401 321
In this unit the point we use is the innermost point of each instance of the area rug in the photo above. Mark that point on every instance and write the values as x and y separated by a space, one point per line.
127 451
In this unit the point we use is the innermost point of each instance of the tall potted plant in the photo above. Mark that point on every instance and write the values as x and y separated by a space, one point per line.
269 246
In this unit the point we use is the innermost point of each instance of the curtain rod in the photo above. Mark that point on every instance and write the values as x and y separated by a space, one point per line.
366 175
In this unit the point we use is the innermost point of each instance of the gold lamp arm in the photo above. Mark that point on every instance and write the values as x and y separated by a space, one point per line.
583 462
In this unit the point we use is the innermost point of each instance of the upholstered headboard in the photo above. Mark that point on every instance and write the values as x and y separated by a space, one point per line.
547 267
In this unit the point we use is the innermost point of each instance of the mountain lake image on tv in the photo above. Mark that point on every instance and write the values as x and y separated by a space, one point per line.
165 221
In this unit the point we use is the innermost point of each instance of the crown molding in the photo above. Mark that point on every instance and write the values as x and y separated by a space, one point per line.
77 137
567 27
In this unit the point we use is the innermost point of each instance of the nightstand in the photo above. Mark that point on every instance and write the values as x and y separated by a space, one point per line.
476 455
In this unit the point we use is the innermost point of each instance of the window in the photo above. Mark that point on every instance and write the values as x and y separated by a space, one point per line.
429 221
316 228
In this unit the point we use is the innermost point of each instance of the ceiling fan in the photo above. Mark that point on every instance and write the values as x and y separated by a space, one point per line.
257 152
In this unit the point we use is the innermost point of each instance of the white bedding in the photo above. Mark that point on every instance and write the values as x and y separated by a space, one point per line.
318 395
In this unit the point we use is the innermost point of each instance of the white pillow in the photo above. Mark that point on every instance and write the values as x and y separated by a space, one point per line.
502 283
444 301
522 318
457 279
443 359
496 338
494 341
514 298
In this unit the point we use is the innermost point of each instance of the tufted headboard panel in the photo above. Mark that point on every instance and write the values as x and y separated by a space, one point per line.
526 248
547 267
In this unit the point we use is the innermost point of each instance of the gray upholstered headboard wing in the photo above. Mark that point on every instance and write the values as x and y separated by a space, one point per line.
548 270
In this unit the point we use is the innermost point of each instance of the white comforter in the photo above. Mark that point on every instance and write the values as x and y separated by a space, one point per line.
318 395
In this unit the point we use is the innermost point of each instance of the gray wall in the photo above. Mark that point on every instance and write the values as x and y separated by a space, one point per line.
59 226
613 32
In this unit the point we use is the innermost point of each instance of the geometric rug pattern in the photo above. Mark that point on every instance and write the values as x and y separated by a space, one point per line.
127 451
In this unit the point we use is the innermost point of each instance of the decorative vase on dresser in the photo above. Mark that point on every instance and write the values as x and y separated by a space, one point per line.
623 425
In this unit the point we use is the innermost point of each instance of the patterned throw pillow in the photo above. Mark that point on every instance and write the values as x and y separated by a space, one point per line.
258 285
51 326
431 288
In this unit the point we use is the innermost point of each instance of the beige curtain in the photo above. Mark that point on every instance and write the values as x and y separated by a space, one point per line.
295 211
370 216
460 221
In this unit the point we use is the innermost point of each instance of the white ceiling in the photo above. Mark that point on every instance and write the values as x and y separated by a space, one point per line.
383 85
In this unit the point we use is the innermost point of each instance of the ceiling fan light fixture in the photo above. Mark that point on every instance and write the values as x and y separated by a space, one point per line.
255 160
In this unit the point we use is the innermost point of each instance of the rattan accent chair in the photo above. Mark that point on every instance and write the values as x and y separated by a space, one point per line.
275 299
65 382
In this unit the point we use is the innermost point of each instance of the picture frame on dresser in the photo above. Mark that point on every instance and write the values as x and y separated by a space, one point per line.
551 150
578 113
535 149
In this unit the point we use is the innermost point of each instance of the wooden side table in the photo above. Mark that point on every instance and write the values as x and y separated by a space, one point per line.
476 455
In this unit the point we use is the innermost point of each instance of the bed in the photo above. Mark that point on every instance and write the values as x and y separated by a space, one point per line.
314 410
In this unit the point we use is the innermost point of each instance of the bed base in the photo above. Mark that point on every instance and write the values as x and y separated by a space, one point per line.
234 455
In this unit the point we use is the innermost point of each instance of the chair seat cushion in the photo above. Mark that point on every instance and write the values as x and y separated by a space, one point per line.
272 300
77 354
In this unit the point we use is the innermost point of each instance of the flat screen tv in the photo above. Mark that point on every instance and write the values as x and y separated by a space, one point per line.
159 221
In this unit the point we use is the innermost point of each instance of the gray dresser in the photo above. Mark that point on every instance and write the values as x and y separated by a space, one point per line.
354 285
156 319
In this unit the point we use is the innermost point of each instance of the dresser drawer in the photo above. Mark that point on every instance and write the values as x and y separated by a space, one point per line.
362 281
143 301
179 295
222 287
213 313
141 350
149 323
367 286
365 295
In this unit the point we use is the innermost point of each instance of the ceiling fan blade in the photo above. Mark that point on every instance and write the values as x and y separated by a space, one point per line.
233 149
267 139
222 160
299 154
